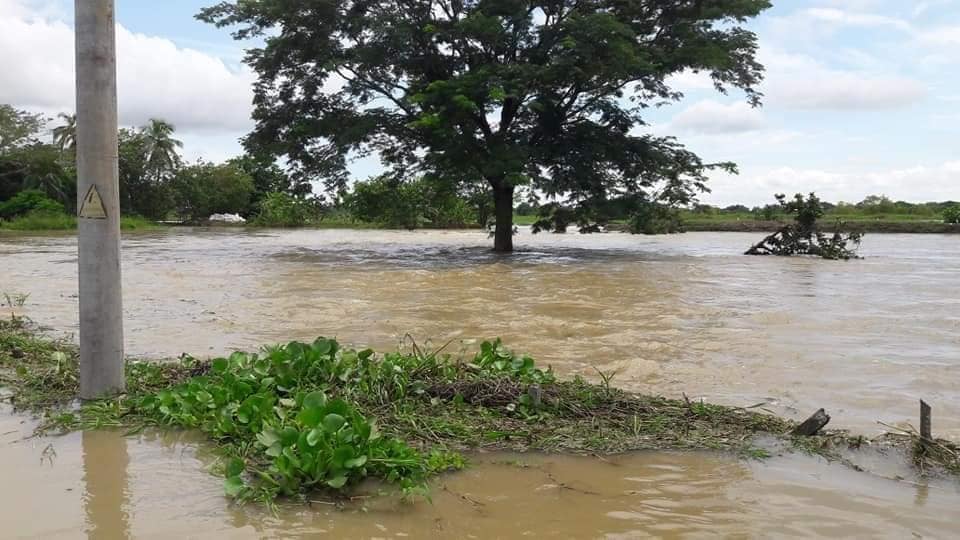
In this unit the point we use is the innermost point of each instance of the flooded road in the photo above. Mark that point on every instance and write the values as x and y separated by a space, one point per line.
677 314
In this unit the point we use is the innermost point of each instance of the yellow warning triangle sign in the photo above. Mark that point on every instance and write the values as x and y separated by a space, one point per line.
92 207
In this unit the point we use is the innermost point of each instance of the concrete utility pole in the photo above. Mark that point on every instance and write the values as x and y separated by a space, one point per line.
98 201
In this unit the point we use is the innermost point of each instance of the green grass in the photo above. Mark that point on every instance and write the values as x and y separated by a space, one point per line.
829 217
38 221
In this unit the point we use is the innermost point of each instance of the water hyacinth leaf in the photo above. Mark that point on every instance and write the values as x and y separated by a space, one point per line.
337 482
313 437
338 406
268 437
333 421
314 399
275 450
322 346
234 486
288 436
219 365
356 462
341 455
310 417
235 467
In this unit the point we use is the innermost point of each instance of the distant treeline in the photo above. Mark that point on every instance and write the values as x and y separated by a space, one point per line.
872 207
38 189
38 180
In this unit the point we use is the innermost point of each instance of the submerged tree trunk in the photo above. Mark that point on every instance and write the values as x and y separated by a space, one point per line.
503 209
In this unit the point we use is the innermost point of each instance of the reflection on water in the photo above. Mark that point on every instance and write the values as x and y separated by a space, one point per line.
102 485
671 315
105 494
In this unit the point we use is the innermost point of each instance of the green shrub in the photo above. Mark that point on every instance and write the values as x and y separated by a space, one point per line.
27 201
952 214
424 202
655 218
204 189
42 220
284 210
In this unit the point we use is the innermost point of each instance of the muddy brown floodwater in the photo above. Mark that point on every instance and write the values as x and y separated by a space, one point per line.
678 314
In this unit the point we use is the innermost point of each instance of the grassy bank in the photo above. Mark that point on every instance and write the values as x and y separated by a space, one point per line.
35 222
907 226
304 417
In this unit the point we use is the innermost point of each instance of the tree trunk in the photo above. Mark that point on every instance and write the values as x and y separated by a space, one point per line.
503 207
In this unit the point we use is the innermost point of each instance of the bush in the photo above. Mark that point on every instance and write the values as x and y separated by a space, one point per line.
204 189
655 218
425 202
285 210
29 201
42 220
952 214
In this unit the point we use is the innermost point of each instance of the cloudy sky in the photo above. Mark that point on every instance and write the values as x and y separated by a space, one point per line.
861 96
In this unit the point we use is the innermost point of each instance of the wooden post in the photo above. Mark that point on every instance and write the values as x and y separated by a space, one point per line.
926 429
811 426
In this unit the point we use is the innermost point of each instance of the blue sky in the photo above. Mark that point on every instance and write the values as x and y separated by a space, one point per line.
862 96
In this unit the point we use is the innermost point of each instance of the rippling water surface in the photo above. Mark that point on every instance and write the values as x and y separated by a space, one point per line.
677 314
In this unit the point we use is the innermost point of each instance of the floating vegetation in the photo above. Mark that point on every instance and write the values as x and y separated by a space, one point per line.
802 237
303 417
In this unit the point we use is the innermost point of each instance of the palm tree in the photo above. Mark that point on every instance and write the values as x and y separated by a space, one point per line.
65 136
162 156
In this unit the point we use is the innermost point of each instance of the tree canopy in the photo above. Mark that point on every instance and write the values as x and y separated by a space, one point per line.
543 93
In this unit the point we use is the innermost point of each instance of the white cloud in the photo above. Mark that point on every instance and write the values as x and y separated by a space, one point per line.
941 35
800 82
847 18
709 117
917 184
689 80
193 90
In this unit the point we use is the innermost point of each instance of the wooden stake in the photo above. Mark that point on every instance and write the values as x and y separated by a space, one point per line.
811 426
926 430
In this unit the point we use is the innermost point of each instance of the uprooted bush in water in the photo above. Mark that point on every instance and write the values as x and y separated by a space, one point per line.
802 237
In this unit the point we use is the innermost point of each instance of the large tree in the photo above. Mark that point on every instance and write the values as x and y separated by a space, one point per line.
544 93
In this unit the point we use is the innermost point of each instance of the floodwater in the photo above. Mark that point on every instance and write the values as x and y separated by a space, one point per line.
155 485
671 315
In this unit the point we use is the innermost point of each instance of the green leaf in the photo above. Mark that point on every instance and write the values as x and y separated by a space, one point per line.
310 417
288 436
268 437
275 449
322 346
314 400
337 482
313 437
333 421
235 467
234 486
341 455
220 365
358 461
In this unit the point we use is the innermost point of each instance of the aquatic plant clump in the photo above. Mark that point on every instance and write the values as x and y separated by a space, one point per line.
306 417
